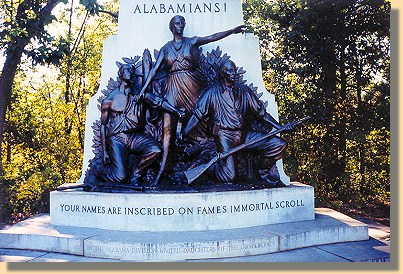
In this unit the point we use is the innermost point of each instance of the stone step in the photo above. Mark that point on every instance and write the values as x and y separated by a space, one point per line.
328 226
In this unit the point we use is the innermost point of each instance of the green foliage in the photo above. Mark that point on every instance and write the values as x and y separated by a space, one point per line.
24 22
51 53
39 157
330 60
43 144
91 5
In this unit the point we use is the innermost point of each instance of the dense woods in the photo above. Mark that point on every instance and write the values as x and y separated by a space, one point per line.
331 60
326 59
44 125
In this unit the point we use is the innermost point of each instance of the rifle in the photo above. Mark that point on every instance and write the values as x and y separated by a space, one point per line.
138 188
194 173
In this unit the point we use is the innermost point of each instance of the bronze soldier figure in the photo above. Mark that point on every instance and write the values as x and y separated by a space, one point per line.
185 83
122 131
233 107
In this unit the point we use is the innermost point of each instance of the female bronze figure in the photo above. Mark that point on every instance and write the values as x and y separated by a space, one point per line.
185 83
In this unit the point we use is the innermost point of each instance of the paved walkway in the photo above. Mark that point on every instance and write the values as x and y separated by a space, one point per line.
376 249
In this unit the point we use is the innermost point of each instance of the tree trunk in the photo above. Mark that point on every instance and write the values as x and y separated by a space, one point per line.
13 53
13 59
343 119
6 85
331 145
361 133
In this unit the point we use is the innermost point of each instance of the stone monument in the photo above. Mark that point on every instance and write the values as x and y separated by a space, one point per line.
154 206
137 20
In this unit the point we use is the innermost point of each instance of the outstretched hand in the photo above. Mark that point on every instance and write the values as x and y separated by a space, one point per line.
239 29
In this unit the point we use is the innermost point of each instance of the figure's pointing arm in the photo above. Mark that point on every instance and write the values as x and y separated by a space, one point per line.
219 35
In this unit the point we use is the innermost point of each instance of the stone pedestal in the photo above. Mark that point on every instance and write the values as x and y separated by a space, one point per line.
182 211
38 233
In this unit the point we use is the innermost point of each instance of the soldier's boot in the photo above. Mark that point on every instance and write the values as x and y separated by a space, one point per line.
271 177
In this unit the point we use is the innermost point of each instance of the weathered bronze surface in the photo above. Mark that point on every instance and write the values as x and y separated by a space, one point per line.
234 107
194 173
185 82
192 105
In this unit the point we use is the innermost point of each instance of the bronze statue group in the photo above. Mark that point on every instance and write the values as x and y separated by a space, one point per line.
196 111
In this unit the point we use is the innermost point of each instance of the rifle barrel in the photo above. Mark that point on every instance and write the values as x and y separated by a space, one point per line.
194 173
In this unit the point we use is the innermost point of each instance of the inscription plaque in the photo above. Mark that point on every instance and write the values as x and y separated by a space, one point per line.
182 250
182 212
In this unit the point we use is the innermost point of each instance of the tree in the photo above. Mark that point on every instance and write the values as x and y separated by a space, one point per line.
321 58
25 24
39 154
24 33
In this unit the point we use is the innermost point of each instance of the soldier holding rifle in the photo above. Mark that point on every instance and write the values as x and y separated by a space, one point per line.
233 107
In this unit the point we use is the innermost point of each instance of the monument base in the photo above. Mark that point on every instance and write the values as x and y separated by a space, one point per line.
197 211
328 227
